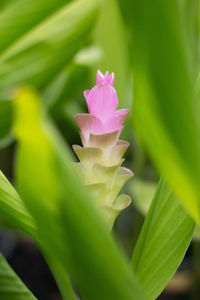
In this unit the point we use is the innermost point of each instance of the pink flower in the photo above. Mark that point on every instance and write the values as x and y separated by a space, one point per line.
101 156
102 102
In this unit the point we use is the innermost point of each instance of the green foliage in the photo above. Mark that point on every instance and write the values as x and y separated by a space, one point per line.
164 114
55 46
14 210
20 16
12 207
164 238
114 50
72 219
5 122
41 53
142 192
11 287
42 42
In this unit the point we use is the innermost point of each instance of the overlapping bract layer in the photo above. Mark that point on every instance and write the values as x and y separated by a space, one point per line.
102 151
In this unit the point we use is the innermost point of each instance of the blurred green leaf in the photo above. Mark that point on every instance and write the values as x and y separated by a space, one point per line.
3 3
38 38
50 187
190 22
65 87
62 98
196 234
5 122
109 35
164 111
11 287
142 192
19 16
54 91
163 241
13 209
62 278
41 53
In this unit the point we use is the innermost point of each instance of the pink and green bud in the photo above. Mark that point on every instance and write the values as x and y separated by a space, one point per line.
102 151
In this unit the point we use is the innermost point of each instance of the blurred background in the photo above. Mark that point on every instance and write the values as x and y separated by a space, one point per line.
57 47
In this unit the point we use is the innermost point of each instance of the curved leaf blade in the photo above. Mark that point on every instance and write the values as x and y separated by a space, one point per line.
20 16
5 122
164 111
37 56
72 219
12 207
114 50
163 241
14 210
44 37
11 287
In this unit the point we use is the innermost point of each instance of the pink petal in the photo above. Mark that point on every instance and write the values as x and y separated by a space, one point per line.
86 94
117 119
89 123
102 101
122 114
100 77
112 79
109 79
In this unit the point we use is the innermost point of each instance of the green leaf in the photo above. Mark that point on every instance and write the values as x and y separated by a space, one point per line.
196 234
59 272
38 55
72 219
142 192
11 287
114 50
12 207
164 111
163 241
190 22
38 38
5 122
20 16
64 87
3 3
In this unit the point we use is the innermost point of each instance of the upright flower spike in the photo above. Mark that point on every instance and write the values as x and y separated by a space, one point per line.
102 151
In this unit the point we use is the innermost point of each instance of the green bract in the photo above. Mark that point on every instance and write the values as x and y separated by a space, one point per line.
100 164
